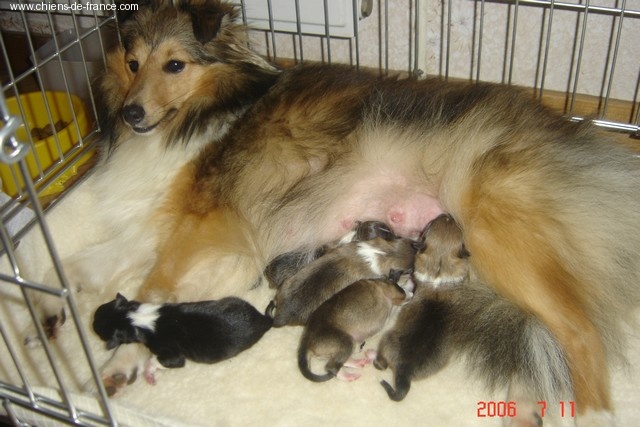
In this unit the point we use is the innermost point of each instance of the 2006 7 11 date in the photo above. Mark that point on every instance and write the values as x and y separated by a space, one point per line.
501 409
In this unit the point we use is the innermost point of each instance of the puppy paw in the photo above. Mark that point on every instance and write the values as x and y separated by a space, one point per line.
123 367
345 374
150 369
357 363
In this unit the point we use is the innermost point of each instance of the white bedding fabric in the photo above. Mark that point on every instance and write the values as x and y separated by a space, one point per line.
261 386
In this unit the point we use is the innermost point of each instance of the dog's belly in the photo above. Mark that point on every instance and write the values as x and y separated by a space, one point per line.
404 205
407 214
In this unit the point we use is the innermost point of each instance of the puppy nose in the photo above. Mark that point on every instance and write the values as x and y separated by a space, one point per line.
133 114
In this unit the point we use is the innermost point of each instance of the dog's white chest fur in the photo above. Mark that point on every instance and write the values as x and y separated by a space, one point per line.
133 183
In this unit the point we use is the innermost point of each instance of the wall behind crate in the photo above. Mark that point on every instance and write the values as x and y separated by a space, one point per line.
478 28
550 45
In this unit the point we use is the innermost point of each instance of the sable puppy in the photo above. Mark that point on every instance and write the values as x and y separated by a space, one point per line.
204 332
502 344
441 256
349 317
316 282
288 264
367 230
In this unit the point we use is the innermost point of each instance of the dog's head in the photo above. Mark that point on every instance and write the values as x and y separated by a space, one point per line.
441 254
112 324
177 63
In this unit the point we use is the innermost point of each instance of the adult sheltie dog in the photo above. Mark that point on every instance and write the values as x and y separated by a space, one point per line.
216 158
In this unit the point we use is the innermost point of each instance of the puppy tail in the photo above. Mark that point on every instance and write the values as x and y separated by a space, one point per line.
403 384
303 365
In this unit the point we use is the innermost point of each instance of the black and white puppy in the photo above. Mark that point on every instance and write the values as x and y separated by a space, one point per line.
204 332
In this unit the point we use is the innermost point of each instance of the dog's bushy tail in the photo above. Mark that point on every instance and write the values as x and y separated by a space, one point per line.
503 343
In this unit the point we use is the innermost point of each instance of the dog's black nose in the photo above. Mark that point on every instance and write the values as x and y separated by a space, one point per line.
133 114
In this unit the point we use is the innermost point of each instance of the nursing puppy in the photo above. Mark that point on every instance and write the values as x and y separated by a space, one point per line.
204 332
452 315
347 318
441 258
286 265
317 281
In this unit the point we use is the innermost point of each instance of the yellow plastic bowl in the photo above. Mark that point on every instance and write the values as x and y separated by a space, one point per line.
49 151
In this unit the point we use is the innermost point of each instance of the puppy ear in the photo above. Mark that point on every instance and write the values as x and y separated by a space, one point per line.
464 253
113 342
120 300
420 245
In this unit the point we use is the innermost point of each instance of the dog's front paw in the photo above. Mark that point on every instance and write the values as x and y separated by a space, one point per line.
123 367
52 316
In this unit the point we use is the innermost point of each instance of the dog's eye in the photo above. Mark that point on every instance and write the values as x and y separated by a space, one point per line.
133 66
174 66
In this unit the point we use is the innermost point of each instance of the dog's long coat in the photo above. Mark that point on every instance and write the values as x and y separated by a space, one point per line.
550 209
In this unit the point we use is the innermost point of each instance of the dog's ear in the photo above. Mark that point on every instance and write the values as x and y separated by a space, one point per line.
206 24
125 9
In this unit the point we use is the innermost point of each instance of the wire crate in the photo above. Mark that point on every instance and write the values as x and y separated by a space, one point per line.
581 57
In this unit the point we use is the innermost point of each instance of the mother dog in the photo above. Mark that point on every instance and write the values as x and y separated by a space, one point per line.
550 209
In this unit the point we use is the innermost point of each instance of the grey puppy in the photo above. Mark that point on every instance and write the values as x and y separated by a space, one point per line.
349 317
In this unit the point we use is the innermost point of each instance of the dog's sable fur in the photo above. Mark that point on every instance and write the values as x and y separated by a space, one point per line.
549 208
204 332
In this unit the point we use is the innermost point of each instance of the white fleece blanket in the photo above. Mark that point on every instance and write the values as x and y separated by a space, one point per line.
261 386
